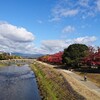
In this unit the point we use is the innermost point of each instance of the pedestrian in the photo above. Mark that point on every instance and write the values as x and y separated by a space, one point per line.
85 78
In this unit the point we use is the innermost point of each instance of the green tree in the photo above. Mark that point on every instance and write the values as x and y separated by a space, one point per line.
74 53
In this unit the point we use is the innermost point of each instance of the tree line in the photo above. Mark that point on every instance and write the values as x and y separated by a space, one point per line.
7 56
75 55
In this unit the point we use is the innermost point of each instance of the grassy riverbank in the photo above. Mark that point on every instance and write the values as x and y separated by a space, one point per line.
52 84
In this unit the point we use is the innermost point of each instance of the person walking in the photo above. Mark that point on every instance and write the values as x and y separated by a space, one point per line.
85 78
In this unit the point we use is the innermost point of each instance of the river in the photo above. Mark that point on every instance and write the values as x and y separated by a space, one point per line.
18 83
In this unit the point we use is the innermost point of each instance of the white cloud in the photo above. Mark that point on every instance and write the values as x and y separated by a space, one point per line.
84 3
70 12
68 29
98 4
59 12
85 40
53 46
69 8
18 41
18 34
15 39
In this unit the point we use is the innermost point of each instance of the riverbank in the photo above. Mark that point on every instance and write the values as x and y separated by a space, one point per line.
52 84
87 89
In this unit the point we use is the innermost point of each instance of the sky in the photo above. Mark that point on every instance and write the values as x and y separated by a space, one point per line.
48 26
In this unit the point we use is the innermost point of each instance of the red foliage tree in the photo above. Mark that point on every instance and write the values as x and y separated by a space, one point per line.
93 58
54 58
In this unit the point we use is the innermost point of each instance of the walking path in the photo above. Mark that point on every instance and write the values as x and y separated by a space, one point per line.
88 83
85 88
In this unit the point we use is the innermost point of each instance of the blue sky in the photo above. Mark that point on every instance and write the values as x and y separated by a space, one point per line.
48 26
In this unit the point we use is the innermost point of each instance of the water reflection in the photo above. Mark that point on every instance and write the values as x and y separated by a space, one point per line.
18 83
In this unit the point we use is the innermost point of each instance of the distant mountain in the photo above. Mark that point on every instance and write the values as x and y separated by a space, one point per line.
28 55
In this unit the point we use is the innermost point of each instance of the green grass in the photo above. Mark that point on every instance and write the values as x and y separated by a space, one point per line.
2 65
45 84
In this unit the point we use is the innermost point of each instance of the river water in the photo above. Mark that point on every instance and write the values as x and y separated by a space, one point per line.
18 83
